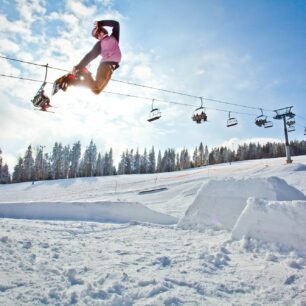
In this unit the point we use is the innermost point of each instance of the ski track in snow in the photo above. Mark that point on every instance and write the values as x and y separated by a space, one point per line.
137 263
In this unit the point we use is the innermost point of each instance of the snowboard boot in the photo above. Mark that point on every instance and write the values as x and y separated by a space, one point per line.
63 83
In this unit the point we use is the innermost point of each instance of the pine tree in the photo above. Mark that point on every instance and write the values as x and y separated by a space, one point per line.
128 162
56 160
106 166
66 161
75 156
110 165
18 174
28 165
159 162
121 166
184 159
151 161
0 160
168 161
196 158
89 160
144 162
136 160
99 165
47 169
201 154
206 156
177 162
172 159
5 177
39 164
211 157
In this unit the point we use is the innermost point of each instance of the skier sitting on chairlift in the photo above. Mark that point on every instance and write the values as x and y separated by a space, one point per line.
199 117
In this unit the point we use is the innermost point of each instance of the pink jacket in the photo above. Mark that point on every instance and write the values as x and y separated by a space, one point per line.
110 50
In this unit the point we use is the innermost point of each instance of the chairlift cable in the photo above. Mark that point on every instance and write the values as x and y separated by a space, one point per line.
138 97
300 117
144 86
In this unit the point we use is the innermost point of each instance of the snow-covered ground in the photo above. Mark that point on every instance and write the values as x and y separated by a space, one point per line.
218 235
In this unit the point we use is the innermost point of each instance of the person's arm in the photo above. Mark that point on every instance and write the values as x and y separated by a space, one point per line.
90 56
111 23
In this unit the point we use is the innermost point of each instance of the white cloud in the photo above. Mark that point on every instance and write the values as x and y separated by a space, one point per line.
142 72
79 9
30 9
8 46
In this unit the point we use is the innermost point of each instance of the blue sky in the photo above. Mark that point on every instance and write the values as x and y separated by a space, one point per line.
243 52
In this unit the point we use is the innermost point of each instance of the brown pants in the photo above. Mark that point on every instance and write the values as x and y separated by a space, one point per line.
103 75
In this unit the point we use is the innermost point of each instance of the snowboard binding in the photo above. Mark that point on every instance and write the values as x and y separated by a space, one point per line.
62 83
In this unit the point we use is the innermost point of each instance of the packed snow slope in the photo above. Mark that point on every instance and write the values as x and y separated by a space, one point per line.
219 203
115 212
217 235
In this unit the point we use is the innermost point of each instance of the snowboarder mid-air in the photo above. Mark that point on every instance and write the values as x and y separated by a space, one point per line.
108 47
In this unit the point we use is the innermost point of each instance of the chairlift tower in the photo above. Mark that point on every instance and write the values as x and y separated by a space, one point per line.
284 114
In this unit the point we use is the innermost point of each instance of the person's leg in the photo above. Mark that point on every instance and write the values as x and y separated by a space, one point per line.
83 78
104 73
103 76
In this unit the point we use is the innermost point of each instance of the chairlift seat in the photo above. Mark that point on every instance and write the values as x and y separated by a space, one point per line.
268 124
291 128
154 114
231 122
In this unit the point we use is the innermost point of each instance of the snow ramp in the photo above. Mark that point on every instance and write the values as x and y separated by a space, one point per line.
274 222
219 203
98 211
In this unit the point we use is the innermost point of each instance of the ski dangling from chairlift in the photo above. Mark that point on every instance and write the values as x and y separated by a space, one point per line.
199 114
155 113
40 100
231 121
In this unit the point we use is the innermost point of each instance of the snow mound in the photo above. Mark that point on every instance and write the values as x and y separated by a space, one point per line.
219 203
273 221
113 212
294 167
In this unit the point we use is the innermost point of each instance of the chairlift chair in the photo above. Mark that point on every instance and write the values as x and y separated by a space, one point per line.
261 120
305 131
199 114
231 121
268 124
40 99
291 128
290 122
155 113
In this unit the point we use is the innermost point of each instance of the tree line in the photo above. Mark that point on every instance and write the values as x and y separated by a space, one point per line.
69 162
